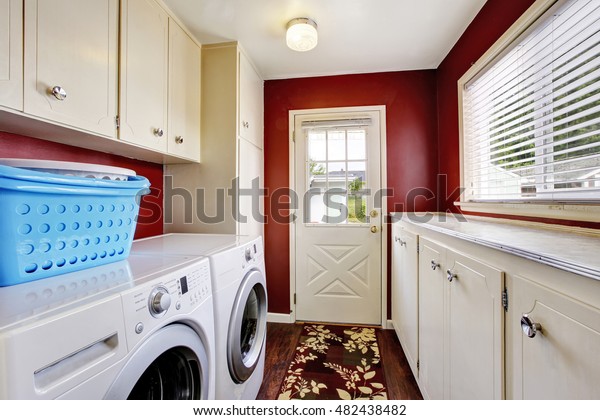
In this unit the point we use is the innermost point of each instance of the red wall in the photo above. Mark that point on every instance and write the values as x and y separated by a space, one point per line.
410 100
150 220
491 22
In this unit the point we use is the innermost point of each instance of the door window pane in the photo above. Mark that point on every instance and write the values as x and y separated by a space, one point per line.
336 145
317 145
337 178
357 149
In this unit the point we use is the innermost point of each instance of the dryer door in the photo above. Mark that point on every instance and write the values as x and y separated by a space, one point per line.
172 364
247 327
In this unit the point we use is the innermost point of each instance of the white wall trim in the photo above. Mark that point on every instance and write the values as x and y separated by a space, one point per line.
389 325
280 318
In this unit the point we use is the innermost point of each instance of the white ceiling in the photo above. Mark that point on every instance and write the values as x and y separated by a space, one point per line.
355 36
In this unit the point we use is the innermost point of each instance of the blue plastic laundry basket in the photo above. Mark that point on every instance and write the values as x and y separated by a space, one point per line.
54 224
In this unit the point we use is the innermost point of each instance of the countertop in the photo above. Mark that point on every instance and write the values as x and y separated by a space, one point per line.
576 250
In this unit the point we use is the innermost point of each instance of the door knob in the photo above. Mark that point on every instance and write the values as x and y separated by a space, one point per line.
374 229
374 213
529 327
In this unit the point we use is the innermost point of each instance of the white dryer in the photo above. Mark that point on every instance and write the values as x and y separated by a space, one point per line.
240 303
142 328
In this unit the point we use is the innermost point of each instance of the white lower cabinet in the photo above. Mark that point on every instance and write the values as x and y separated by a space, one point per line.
561 359
405 293
492 323
461 324
431 320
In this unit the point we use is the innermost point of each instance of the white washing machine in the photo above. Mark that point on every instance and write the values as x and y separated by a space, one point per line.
142 328
240 303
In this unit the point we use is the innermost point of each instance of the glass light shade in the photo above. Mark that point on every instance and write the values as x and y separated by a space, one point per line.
301 34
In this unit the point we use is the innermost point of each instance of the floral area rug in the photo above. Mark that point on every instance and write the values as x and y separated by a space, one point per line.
335 363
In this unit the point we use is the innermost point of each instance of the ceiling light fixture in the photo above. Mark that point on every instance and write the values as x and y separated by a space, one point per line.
301 34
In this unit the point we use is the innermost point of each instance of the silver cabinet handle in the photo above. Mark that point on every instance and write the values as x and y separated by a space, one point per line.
530 328
158 132
434 265
179 139
59 93
398 239
450 275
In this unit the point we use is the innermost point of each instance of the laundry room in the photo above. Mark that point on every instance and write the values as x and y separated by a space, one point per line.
300 200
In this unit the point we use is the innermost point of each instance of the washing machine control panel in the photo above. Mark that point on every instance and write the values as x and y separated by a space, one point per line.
171 295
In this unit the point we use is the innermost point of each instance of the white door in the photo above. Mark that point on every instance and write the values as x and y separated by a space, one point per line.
338 241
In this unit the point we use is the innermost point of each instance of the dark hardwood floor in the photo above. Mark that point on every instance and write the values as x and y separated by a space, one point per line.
281 343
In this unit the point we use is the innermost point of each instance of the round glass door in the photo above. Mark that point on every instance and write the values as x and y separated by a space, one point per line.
247 328
174 375
171 364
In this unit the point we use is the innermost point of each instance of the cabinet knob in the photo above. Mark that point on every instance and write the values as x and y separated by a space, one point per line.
158 132
434 265
450 275
179 139
529 327
59 93
245 124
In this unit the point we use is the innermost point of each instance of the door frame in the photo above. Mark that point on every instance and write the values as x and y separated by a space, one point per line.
383 185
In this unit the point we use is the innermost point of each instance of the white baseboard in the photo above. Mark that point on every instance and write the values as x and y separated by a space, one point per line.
389 325
280 318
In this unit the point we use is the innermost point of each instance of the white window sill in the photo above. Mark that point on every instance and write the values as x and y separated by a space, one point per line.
563 211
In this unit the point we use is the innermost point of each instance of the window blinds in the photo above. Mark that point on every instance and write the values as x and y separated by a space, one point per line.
532 118
341 123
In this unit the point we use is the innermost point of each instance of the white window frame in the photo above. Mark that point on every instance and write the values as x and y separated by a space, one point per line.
555 210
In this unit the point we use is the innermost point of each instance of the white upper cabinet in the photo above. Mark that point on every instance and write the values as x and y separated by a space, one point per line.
160 86
227 158
11 53
251 103
184 94
70 67
144 74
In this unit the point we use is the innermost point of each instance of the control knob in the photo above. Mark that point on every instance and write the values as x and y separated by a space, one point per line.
159 301
249 255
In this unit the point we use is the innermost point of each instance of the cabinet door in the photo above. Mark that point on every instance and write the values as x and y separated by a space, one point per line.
250 179
11 53
71 47
475 367
184 94
144 74
405 292
431 319
250 103
563 360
